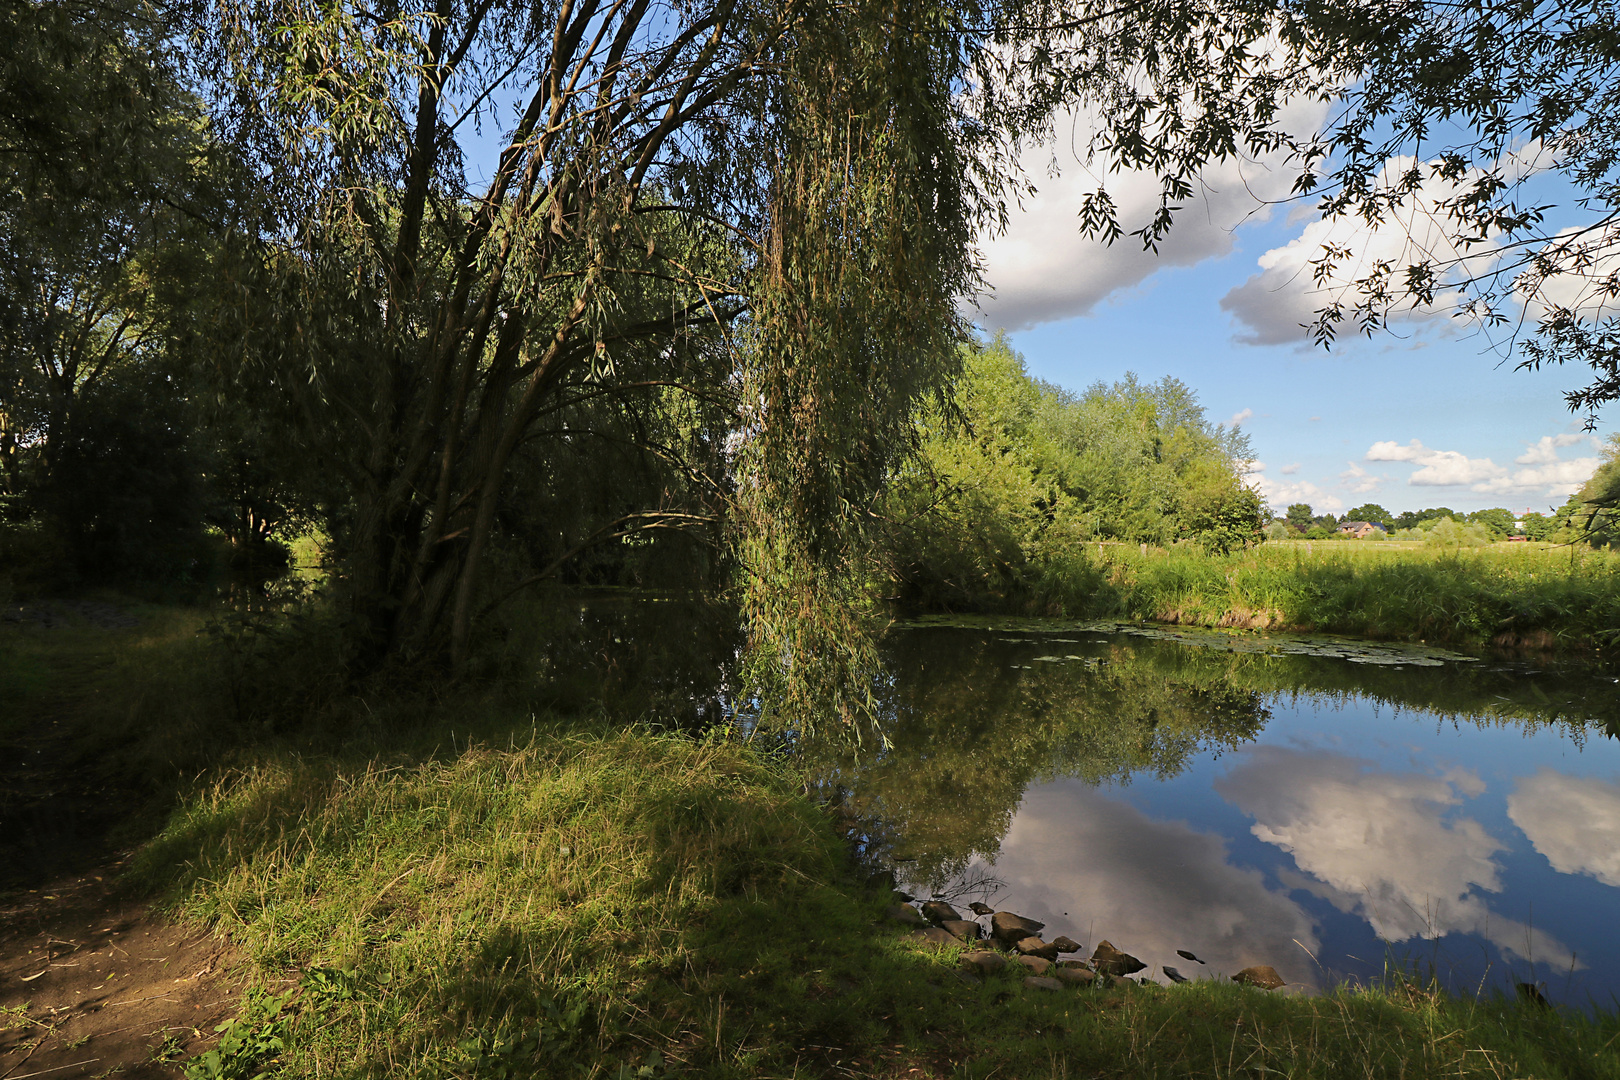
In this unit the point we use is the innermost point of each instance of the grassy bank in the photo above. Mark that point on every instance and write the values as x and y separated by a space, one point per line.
574 897
626 904
1512 595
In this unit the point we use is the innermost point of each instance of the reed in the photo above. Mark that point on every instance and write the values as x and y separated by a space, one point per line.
1513 595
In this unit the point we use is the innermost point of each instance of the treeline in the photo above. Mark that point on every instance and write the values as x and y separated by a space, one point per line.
1012 478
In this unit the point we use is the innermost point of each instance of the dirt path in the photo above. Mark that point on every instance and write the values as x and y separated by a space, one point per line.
92 982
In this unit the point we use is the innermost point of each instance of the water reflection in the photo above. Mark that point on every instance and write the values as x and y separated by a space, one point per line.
1307 812
1573 822
1093 867
1381 845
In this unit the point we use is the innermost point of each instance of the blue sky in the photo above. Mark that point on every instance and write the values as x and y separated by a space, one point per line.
1334 429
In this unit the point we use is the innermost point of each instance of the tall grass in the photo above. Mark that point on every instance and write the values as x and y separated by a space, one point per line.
629 904
1505 594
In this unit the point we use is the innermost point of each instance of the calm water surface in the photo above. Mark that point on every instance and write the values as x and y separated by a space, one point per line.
1328 817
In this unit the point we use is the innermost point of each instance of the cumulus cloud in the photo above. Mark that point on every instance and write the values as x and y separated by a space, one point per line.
1239 417
1544 451
1277 305
1092 867
1381 845
1573 821
1279 493
1359 480
1041 269
1545 472
1290 470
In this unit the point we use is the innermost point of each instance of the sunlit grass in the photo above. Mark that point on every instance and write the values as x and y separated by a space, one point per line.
601 903
1509 594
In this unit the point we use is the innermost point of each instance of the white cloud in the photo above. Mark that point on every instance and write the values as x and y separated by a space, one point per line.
1239 417
1545 450
1280 493
1278 304
1382 845
1449 468
1041 269
1253 468
1092 868
1573 821
1359 480
1290 470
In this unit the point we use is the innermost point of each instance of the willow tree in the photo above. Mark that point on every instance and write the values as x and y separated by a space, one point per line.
765 204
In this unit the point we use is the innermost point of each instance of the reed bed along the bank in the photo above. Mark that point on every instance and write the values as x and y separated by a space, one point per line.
1514 595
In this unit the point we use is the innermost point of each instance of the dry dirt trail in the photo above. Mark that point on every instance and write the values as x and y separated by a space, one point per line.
92 981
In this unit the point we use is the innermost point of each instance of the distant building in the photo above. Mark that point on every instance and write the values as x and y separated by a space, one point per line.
1358 530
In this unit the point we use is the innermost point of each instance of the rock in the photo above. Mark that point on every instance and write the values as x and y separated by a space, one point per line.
931 935
1034 946
981 909
905 913
1111 961
1035 982
1262 975
1173 975
1074 976
1036 964
983 961
1081 964
1067 944
1185 955
961 929
937 912
1008 928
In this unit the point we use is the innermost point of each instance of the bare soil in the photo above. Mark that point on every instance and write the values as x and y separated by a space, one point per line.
93 982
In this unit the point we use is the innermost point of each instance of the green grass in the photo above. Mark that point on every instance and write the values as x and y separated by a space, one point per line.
1506 594
599 904
577 898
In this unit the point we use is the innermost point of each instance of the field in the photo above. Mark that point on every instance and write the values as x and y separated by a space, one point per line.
1531 596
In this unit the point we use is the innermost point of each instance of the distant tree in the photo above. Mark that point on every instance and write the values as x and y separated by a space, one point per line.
1537 526
1496 519
1325 521
1279 530
1449 532
1411 519
1370 512
1299 516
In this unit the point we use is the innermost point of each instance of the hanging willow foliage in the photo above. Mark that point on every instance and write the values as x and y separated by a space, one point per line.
866 252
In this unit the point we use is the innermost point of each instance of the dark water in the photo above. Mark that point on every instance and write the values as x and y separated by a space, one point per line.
1328 808
1329 817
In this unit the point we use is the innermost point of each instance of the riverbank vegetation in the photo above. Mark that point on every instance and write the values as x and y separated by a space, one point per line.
484 886
692 325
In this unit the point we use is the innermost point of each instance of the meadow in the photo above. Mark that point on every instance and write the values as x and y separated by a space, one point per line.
1515 596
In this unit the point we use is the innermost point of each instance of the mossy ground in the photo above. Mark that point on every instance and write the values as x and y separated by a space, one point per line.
471 888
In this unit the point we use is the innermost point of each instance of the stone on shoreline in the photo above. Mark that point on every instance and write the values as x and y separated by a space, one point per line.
1008 928
905 913
1034 946
1262 975
937 912
1111 961
962 929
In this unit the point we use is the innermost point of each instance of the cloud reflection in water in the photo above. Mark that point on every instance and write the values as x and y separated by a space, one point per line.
1573 821
1381 845
1151 887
